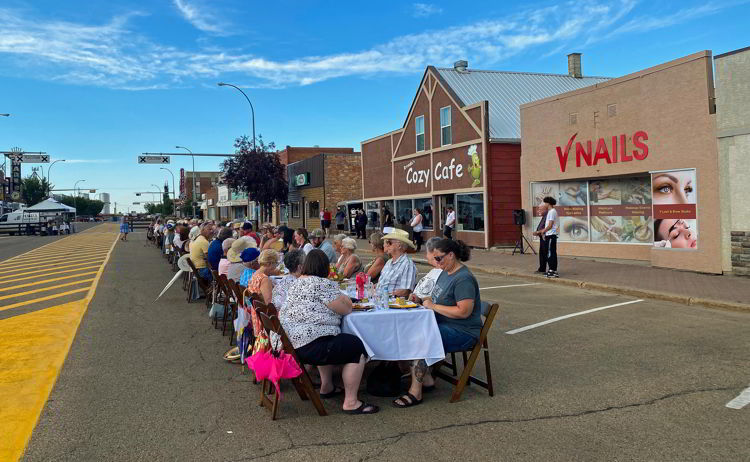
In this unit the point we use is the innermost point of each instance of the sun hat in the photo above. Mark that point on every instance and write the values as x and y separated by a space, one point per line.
195 231
317 232
401 236
234 252
183 264
237 225
249 254
269 257
349 243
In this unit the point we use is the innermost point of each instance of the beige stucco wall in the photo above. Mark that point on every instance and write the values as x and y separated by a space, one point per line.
672 102
733 138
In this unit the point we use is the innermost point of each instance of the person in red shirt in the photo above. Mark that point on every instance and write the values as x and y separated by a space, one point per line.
326 222
247 230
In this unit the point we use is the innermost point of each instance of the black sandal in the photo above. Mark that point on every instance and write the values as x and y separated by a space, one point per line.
413 401
363 409
335 392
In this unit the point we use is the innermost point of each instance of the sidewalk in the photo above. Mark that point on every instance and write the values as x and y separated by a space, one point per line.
629 278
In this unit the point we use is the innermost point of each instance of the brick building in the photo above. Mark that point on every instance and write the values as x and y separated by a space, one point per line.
322 181
204 183
460 146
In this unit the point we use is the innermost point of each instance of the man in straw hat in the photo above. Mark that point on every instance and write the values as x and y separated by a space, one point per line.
399 275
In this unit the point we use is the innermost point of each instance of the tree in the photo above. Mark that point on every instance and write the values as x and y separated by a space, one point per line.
84 206
259 172
164 208
34 190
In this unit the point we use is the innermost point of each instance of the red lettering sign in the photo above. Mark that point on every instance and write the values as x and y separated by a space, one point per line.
617 153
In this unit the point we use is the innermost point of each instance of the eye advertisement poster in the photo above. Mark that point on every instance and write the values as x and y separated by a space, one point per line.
675 209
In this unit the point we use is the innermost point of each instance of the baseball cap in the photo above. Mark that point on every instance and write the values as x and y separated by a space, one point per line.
317 232
249 254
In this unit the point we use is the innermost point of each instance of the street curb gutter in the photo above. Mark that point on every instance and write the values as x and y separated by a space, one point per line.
639 293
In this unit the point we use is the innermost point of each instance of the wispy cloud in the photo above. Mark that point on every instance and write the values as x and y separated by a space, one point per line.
423 10
198 17
84 161
116 55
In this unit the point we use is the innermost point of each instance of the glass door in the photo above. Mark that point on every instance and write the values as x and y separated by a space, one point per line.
444 202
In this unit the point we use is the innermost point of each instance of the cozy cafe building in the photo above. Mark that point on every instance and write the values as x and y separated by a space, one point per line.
638 167
460 146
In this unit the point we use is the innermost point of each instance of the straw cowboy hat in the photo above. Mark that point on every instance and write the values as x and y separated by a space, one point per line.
234 253
401 236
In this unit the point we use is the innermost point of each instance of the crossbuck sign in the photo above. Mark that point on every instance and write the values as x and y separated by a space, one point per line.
153 159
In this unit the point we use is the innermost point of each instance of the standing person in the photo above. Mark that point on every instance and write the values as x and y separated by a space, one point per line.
416 225
359 225
387 218
326 221
340 219
549 234
124 229
543 250
450 222
322 212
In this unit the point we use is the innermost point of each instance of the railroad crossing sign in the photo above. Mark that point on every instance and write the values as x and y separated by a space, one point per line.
153 159
35 158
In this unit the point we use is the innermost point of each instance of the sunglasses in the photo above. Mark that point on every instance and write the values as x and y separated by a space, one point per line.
439 258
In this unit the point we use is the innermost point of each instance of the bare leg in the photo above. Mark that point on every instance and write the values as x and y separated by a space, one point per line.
420 376
352 376
326 379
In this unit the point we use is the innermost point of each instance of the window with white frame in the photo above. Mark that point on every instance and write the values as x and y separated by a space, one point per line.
446 136
419 129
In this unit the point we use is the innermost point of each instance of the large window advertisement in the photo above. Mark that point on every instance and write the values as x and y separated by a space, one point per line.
675 209
608 211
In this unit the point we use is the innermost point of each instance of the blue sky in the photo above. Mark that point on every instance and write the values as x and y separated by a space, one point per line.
97 83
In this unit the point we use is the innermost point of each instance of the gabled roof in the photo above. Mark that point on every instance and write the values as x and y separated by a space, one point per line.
507 91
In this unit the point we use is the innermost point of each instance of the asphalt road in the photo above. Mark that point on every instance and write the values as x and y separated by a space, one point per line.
640 381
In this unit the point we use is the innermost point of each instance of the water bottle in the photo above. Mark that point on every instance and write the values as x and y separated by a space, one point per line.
382 303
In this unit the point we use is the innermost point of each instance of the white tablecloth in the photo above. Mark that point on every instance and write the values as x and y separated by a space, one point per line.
394 335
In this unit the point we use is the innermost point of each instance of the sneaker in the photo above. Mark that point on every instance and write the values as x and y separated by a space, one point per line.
554 274
548 274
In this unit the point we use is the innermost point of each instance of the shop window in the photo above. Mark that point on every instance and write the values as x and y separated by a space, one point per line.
313 209
425 205
470 212
239 212
295 209
445 126
284 214
419 130
372 209
403 212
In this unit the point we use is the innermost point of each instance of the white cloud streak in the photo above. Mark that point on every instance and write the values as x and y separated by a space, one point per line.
199 18
84 161
423 10
115 55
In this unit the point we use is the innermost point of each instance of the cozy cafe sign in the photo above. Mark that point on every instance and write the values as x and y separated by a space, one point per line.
604 150
445 170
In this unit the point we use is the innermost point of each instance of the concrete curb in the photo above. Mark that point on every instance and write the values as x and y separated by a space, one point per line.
633 292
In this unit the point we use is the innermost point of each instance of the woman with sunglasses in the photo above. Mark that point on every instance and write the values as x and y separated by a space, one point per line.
455 301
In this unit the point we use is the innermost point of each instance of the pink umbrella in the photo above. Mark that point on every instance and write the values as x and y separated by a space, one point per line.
274 368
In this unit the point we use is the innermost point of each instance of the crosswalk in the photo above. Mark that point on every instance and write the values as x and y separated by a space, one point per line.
59 272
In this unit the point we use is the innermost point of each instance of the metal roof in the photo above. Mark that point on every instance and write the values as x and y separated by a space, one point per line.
507 91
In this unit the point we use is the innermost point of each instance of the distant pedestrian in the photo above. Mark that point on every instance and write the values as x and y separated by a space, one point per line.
124 228
416 226
450 222
361 224
340 219
326 221
549 234
387 217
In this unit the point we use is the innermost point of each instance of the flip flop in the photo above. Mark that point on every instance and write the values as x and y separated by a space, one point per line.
335 392
233 354
363 409
412 401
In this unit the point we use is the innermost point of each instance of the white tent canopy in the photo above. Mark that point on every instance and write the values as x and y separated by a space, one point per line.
50 205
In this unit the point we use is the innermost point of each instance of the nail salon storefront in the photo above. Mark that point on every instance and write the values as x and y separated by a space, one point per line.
633 165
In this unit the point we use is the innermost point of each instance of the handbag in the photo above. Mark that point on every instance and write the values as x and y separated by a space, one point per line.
385 380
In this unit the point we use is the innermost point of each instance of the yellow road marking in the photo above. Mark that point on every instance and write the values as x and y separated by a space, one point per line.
20 286
60 260
43 270
66 251
29 292
42 299
56 241
49 274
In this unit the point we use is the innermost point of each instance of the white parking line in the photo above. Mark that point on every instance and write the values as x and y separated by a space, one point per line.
740 401
511 285
560 318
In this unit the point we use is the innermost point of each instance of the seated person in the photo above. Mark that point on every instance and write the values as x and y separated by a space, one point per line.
318 240
215 248
312 321
337 240
399 274
374 268
234 255
199 251
349 264
249 258
458 311
292 262
260 283
224 262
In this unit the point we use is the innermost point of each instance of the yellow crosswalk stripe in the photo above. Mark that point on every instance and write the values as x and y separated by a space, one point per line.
35 291
66 251
43 270
48 274
41 299
29 284
58 260
41 267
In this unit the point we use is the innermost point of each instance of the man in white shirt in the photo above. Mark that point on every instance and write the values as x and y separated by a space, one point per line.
399 275
450 223
548 236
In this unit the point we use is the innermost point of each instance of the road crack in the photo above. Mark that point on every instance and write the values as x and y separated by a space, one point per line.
399 436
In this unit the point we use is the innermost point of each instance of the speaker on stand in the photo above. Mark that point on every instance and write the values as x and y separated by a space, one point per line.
519 219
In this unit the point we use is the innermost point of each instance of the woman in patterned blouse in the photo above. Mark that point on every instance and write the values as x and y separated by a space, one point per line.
312 321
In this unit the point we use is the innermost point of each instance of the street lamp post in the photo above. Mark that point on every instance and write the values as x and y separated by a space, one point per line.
49 186
174 198
75 200
191 155
252 110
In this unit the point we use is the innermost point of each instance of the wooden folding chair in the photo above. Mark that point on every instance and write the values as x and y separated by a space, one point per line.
204 285
489 310
302 384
